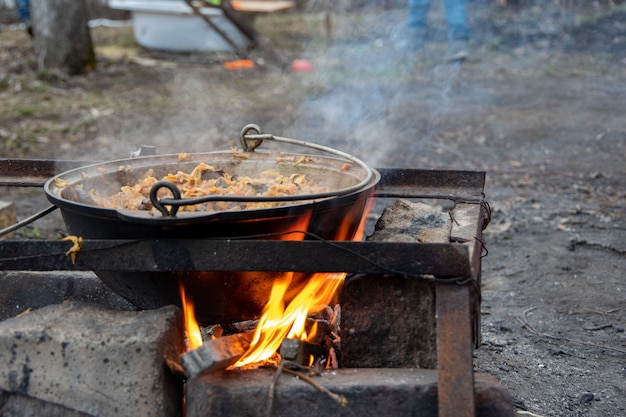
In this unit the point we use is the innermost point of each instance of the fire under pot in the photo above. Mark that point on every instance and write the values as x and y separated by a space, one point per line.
404 320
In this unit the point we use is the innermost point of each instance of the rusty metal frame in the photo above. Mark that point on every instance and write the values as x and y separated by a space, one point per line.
458 319
33 172
446 261
456 264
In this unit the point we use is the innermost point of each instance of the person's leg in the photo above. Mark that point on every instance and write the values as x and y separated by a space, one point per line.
23 10
417 24
456 16
418 14
458 29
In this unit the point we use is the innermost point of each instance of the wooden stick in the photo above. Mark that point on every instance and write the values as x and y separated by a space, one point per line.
283 368
338 398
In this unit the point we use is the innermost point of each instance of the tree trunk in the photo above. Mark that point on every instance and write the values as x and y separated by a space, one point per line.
62 37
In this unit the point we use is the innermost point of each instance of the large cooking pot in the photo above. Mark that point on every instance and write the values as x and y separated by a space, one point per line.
218 297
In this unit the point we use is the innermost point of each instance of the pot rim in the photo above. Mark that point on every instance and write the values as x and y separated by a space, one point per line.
356 172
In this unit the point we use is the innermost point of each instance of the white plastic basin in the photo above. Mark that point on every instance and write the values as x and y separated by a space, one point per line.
171 25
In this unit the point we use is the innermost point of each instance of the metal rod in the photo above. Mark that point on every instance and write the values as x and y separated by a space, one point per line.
33 172
256 140
178 255
394 182
27 221
259 138
455 389
196 10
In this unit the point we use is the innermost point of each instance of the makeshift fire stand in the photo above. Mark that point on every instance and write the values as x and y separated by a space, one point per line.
454 264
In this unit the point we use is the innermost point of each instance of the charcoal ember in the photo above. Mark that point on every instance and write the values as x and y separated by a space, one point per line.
210 332
323 330
241 326
302 352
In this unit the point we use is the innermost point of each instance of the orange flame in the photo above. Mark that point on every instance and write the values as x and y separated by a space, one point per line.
194 337
360 231
279 322
281 319
284 315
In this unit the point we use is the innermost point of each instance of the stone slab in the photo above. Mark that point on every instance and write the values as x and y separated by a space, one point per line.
368 392
21 290
91 361
407 221
15 405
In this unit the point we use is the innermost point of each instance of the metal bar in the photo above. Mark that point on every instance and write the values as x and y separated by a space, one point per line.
33 172
444 260
458 315
412 183
455 389
198 12
469 221
419 183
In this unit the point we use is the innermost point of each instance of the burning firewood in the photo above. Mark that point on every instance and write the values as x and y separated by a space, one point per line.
301 352
215 354
241 326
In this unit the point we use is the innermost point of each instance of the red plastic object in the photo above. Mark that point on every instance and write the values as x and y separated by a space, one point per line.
301 65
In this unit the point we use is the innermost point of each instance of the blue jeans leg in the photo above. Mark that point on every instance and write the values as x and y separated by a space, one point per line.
456 16
418 14
23 10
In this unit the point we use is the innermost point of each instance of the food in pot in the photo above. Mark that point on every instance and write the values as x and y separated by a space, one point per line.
77 245
205 180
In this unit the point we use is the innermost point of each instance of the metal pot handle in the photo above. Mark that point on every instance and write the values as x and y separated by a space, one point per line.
249 142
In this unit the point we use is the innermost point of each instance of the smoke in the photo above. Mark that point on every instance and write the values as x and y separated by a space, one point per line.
380 102
191 113
367 96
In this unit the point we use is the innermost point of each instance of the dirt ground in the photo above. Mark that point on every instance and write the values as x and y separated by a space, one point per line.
539 105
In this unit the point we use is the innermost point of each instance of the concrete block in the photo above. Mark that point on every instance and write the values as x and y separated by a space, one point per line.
8 217
389 321
91 361
15 405
368 392
21 290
